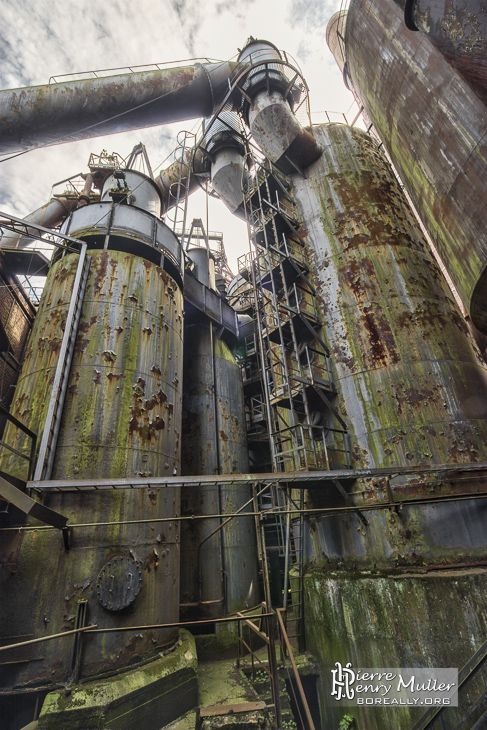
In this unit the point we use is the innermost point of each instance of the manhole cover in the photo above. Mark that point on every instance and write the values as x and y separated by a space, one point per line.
118 583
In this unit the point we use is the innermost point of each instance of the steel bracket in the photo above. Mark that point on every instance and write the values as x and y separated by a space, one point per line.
349 501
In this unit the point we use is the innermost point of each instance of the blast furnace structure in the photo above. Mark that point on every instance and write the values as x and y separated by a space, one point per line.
306 441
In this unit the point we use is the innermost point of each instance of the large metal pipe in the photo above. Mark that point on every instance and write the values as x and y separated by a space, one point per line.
433 126
458 30
74 110
268 113
49 215
184 172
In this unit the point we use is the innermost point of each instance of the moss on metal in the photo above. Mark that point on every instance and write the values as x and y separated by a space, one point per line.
148 696
121 419
438 147
377 620
124 397
412 382
123 405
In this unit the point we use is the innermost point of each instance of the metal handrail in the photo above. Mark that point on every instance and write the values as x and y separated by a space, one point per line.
31 458
268 639
285 639
132 69
464 674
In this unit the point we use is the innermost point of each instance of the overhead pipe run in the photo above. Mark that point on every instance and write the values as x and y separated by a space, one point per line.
75 110
50 215
53 213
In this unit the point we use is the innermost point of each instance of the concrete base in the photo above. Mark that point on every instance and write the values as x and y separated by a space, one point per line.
148 697
243 721
435 619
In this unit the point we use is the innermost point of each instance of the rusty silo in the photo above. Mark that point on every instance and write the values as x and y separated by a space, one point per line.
414 387
391 322
458 31
121 419
439 149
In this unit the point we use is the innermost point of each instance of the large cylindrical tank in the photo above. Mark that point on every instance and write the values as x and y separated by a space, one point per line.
218 575
413 387
458 30
335 37
412 382
123 405
121 419
433 126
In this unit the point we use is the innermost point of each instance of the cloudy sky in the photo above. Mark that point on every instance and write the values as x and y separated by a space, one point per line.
44 38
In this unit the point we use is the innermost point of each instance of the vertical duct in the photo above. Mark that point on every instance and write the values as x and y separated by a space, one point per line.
267 109
223 141
219 573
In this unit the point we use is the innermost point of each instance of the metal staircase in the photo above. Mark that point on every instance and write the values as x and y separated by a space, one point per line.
288 379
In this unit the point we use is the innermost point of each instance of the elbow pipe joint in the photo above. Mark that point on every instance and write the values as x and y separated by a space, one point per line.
279 134
185 170
268 110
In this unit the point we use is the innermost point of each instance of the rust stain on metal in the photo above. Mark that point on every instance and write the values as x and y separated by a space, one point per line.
115 376
440 150
100 264
459 32
386 313
158 398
